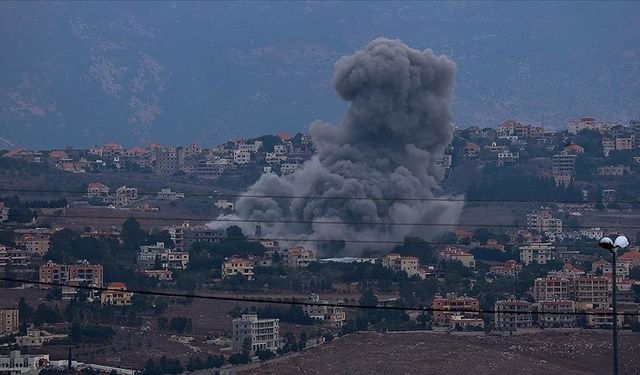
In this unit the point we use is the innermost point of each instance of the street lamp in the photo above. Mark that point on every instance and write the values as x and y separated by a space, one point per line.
613 246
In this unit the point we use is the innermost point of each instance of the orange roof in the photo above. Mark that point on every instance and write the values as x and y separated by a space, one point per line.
569 266
117 285
631 255
97 186
284 136
13 153
508 123
112 146
58 154
600 261
154 146
135 150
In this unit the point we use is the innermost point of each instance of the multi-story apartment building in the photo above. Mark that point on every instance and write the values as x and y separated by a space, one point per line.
563 167
445 308
299 257
37 244
544 222
262 334
161 275
602 318
152 256
9 322
237 266
333 316
591 292
168 160
512 314
92 274
556 313
117 295
15 257
552 288
539 253
241 157
193 234
4 212
626 143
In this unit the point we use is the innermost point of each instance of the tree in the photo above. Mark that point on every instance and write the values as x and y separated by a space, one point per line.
132 235
235 232
265 355
239 358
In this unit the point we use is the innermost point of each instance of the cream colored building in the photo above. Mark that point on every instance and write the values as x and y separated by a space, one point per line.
299 257
539 253
117 295
263 334
237 266
9 321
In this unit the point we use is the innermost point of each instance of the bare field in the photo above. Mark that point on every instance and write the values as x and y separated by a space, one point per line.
583 352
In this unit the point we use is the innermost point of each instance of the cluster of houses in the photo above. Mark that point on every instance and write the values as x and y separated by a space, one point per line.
505 144
284 157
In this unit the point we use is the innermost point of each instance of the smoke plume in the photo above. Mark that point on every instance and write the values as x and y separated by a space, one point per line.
397 126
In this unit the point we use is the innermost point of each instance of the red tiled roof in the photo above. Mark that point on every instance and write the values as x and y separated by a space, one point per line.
631 255
97 186
58 154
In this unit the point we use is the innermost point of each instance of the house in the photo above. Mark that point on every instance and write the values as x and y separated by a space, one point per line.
116 295
238 266
161 275
37 338
573 148
455 253
223 204
576 126
512 314
299 257
613 170
36 243
510 268
261 334
399 263
320 310
470 150
632 258
168 195
288 168
568 271
602 318
97 190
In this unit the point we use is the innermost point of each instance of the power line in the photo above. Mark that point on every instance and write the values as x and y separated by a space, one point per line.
301 303
324 222
267 196
278 239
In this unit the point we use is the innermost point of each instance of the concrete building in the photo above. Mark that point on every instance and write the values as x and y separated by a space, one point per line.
601 318
16 363
118 295
92 274
97 190
262 334
398 263
512 314
551 289
333 316
563 167
238 266
556 314
510 268
168 195
462 307
9 321
193 234
591 292
15 257
539 253
168 160
4 212
544 222
299 257
37 244
152 256
37 338
455 253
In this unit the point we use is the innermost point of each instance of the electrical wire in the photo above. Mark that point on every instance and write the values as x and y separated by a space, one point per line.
266 196
304 303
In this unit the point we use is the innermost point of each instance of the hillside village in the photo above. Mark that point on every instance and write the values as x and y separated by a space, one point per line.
542 272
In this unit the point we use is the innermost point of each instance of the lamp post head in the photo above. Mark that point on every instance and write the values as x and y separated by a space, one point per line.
606 243
621 242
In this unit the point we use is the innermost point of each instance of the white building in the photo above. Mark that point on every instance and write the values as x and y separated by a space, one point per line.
322 311
241 157
168 195
539 253
263 334
4 212
17 364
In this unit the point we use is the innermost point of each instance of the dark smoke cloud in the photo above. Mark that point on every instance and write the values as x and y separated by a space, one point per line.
396 127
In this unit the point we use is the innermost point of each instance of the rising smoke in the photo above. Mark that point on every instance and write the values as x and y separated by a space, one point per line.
397 126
